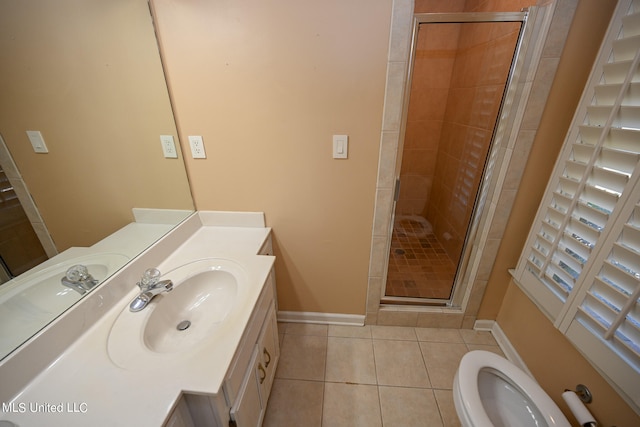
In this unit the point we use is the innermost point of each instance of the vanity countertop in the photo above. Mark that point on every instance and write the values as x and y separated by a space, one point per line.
84 387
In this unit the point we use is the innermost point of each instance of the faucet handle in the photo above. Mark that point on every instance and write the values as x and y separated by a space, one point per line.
77 273
149 278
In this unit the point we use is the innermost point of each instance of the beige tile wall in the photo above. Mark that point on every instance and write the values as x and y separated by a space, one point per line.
482 63
507 160
435 57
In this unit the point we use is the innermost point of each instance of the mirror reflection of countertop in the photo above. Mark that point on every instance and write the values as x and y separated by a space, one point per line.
85 387
33 299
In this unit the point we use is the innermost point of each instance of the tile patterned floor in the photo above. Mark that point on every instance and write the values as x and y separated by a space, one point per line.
418 264
333 376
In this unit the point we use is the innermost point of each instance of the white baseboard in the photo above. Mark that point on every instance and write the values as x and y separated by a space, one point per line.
505 345
323 318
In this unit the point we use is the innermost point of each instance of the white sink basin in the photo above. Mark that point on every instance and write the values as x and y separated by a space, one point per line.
198 305
204 294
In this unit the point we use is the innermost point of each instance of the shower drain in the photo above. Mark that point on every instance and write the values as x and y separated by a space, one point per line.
183 325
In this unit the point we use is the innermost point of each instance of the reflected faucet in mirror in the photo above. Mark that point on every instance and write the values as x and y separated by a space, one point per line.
79 279
150 286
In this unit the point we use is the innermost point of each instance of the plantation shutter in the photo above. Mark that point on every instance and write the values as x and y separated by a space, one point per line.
581 263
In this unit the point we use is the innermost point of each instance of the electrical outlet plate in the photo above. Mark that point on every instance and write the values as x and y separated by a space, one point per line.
197 147
168 147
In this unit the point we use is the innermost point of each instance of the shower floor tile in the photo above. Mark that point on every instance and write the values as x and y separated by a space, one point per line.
419 267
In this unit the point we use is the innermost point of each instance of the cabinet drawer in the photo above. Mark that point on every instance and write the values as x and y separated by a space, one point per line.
180 417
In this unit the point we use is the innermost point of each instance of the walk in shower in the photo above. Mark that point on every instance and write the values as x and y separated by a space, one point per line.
460 68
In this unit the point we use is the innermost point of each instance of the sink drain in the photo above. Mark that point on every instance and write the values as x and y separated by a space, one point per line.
183 325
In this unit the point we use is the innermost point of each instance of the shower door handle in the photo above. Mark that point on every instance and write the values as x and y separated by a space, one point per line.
396 191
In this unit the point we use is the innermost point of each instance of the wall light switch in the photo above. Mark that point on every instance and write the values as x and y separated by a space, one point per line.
197 147
168 147
340 146
37 141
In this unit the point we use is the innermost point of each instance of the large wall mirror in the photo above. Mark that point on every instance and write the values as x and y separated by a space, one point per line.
86 75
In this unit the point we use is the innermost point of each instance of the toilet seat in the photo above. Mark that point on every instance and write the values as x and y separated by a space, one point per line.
469 405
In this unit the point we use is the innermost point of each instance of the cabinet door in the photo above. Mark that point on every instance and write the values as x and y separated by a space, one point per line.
180 417
242 358
247 410
269 348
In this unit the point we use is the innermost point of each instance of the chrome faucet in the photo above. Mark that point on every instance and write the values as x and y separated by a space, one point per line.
79 279
150 286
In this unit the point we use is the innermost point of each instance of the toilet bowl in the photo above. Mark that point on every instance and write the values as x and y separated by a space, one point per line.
489 391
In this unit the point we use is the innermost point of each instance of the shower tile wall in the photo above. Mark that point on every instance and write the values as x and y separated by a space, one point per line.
434 61
481 68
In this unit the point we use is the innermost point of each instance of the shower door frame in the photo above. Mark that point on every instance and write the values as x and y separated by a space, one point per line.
462 269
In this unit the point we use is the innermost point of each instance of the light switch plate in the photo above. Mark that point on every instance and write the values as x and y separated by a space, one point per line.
197 147
168 147
340 146
37 141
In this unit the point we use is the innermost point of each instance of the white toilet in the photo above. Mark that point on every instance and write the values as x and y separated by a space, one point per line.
488 391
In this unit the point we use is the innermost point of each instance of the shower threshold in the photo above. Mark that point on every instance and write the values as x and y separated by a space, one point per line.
425 302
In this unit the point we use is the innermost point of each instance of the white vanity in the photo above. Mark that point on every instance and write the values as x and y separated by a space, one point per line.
204 353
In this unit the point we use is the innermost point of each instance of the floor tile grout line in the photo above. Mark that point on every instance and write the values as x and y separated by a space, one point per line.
466 339
433 393
424 363
375 369
435 398
380 405
324 383
324 390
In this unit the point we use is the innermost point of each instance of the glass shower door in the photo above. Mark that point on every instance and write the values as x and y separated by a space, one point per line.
459 75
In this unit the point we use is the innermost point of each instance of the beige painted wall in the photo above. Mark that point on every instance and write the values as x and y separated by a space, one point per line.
267 85
87 74
555 363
